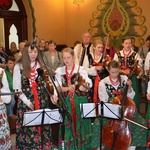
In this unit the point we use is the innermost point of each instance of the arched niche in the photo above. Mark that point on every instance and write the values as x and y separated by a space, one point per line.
13 18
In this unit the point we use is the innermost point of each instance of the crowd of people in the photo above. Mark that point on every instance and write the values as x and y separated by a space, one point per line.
90 72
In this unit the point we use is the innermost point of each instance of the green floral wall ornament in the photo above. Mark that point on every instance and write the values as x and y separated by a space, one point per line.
118 18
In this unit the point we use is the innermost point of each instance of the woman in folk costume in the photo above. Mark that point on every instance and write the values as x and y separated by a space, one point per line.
77 132
5 142
110 50
28 80
109 88
128 58
97 68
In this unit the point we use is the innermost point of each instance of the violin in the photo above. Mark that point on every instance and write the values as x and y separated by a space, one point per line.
106 60
137 68
78 80
49 84
139 72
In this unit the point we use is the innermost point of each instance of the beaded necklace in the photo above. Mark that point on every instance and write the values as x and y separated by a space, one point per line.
69 75
115 83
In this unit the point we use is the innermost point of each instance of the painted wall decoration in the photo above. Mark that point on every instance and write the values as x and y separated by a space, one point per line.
118 18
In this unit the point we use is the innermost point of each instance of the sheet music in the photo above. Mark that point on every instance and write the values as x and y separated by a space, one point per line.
33 118
88 110
110 110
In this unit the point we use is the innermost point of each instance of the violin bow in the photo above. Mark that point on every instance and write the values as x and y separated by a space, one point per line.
80 61
64 107
104 52
134 65
134 122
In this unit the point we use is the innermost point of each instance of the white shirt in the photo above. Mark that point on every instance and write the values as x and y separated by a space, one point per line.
78 52
17 81
103 95
137 56
147 62
82 71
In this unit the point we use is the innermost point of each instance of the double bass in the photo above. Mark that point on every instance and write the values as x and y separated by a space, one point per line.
116 134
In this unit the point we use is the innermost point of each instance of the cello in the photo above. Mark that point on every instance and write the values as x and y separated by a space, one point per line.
116 134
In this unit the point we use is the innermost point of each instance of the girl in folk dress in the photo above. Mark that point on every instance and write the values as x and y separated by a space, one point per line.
5 142
97 69
113 86
80 129
28 79
127 58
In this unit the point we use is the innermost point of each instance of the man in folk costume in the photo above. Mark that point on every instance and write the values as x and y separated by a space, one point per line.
82 50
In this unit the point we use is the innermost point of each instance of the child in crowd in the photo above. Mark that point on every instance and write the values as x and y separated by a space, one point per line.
10 63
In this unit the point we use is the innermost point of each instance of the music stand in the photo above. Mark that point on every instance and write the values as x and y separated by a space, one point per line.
105 110
41 117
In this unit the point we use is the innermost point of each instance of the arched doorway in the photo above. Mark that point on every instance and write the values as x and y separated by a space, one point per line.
15 19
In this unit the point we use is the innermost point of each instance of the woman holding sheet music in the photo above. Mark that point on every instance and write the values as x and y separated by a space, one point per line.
77 132
28 80
112 86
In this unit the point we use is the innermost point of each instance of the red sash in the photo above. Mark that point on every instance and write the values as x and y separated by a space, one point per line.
96 82
72 101
33 75
36 100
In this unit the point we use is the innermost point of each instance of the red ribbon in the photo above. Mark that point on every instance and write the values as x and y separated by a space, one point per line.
36 100
95 96
71 97
96 82
148 144
125 68
116 92
97 64
35 93
73 110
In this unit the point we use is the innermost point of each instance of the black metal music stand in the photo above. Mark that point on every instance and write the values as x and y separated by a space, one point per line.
105 110
41 117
